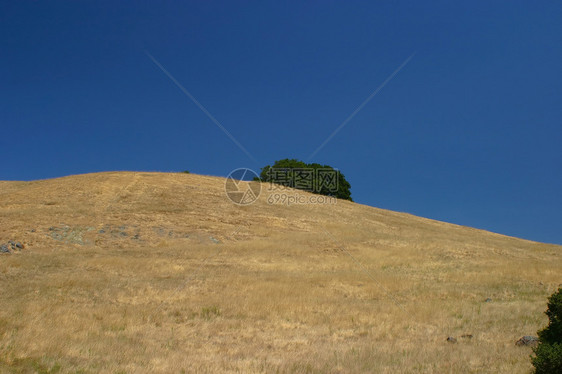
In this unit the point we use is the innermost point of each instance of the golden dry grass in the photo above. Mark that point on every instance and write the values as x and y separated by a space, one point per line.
182 280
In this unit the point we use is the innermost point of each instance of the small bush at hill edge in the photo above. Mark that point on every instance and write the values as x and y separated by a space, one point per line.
548 354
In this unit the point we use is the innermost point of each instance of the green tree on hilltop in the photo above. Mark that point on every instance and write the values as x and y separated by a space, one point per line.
316 178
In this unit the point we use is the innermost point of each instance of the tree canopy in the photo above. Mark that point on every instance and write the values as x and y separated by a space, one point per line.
315 178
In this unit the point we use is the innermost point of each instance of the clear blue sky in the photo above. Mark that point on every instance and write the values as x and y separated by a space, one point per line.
469 131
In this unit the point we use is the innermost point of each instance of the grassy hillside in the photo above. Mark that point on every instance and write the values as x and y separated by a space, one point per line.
157 272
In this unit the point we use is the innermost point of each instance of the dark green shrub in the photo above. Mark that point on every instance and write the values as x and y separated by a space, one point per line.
315 178
548 354
548 359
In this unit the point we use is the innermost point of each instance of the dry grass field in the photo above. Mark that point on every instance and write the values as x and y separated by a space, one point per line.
155 272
